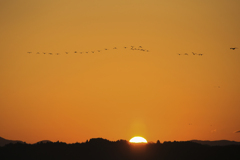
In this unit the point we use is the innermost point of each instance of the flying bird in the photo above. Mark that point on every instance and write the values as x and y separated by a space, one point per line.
234 48
66 52
29 52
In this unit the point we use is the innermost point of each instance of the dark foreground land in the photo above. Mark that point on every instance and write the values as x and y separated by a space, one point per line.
102 149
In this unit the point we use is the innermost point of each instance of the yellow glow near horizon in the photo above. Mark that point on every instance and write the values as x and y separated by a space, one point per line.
138 139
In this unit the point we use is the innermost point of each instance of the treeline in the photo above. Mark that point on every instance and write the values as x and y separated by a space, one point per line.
102 149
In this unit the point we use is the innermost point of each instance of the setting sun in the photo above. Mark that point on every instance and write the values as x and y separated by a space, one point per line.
138 139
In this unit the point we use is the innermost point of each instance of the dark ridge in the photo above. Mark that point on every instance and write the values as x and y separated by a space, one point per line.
99 148
216 143
45 141
4 142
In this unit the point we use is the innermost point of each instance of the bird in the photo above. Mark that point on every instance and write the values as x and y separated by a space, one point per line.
80 52
106 49
200 54
38 53
92 51
44 53
66 52
99 50
193 53
75 52
86 52
115 48
186 54
29 52
233 48
50 53
57 53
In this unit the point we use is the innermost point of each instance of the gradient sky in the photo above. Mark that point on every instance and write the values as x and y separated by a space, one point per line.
121 93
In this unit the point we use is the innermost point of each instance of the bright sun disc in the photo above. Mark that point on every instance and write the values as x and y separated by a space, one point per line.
138 140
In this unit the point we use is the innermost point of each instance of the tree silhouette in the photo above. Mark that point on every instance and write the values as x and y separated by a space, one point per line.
98 148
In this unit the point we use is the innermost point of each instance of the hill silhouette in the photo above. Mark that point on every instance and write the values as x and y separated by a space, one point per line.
217 143
3 141
99 148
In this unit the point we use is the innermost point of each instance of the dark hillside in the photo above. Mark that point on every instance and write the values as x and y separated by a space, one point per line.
106 150
3 141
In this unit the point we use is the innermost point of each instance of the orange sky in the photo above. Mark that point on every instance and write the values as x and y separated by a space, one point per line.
119 93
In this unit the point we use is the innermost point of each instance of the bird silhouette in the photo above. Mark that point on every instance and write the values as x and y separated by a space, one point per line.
234 48
138 48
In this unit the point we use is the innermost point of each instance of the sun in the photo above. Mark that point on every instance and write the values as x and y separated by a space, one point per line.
138 139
